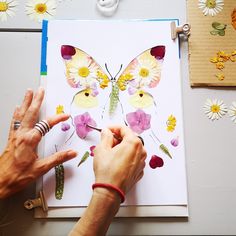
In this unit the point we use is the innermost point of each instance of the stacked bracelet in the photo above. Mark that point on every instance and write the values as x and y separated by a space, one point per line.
110 186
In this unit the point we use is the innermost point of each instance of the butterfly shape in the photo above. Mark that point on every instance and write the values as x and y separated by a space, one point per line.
85 74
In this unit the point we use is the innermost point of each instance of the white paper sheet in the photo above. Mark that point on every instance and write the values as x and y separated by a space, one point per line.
116 43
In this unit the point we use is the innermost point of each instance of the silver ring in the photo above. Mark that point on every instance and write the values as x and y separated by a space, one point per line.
16 124
42 126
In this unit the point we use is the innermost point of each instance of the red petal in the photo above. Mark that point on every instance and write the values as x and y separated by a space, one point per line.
158 52
67 51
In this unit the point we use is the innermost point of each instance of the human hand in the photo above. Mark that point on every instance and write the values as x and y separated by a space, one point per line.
19 163
120 164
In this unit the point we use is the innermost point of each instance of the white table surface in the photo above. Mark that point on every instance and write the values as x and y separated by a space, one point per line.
210 153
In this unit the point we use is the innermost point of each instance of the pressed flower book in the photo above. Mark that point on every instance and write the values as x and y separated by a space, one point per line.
115 72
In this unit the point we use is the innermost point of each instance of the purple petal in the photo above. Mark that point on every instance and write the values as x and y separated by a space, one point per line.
65 127
138 121
81 122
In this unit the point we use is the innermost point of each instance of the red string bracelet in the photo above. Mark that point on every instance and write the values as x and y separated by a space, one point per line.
110 186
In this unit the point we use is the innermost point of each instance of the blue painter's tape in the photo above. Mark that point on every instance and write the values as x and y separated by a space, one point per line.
43 70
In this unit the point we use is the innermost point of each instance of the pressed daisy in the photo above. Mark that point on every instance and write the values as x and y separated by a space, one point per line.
211 7
147 71
82 70
7 8
38 10
215 109
232 111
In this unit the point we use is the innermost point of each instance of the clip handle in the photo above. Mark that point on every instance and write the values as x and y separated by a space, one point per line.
37 202
175 30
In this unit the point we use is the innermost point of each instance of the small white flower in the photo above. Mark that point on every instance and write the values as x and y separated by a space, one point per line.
7 8
215 109
39 10
232 112
211 7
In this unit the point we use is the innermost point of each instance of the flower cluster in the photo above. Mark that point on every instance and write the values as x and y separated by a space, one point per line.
171 123
123 80
103 79
138 121
220 59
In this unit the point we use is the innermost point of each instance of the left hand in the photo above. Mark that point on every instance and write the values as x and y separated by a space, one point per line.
19 163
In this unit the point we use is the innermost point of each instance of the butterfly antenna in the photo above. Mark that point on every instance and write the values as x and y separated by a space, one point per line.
119 70
108 70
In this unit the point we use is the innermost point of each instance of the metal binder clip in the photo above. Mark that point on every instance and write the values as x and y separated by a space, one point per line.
38 202
175 30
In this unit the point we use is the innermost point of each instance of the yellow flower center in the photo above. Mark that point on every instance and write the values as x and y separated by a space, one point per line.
83 71
144 72
211 3
3 6
40 8
215 108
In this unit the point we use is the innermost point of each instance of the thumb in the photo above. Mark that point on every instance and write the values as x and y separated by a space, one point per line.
107 138
56 159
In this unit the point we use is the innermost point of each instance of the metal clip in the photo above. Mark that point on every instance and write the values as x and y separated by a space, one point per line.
184 29
38 202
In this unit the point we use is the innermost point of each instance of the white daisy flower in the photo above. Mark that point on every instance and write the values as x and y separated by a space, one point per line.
211 7
83 71
146 72
232 112
7 8
39 10
215 109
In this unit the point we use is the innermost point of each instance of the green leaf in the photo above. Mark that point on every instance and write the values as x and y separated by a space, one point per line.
84 158
114 98
218 26
221 32
165 150
59 174
214 32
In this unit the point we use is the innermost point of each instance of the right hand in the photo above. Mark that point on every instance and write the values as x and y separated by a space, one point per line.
120 164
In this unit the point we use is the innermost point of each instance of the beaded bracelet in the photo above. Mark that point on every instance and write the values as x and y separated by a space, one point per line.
110 186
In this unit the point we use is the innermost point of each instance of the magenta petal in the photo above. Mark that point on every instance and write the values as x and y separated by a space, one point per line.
67 51
81 122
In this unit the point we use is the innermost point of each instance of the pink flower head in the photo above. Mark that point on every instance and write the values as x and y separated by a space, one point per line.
138 121
81 122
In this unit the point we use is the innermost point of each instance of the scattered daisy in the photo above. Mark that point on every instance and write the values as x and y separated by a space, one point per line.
232 111
211 7
215 109
7 8
38 10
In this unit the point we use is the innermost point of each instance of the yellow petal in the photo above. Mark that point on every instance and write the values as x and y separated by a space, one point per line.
141 99
84 99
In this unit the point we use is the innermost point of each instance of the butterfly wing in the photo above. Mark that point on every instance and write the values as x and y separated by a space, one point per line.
143 72
84 73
